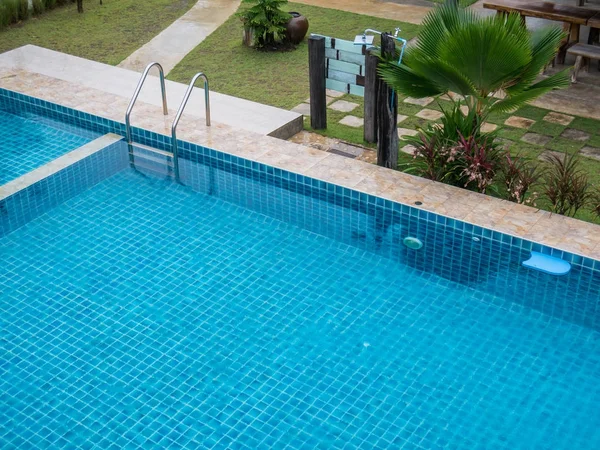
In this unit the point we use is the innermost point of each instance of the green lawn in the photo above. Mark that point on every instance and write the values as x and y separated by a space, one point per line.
278 79
107 33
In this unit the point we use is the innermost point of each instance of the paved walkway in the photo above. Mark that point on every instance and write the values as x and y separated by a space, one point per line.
405 13
182 36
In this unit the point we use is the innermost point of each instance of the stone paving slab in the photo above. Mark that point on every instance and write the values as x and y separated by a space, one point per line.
591 152
352 121
561 232
343 106
519 122
225 109
558 118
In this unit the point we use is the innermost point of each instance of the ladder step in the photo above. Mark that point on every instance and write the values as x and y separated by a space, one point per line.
152 155
151 149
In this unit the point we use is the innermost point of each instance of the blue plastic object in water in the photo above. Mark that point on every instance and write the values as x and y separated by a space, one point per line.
547 264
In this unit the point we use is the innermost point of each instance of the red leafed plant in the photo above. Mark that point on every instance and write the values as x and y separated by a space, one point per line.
480 161
518 176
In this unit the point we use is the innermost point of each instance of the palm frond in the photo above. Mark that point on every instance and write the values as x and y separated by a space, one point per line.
557 81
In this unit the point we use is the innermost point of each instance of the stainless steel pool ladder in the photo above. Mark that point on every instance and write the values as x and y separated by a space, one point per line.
134 99
186 97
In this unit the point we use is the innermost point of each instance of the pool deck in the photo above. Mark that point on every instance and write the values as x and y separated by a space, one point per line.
525 222
235 112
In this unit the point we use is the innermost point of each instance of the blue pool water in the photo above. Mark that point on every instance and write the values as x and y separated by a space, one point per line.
28 141
142 314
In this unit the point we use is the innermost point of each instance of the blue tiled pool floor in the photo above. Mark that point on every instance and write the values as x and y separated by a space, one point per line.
140 314
27 143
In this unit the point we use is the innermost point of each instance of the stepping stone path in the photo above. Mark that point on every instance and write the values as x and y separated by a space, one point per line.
575 135
408 149
537 139
558 118
488 127
352 121
401 118
429 114
343 106
591 152
519 122
418 101
406 132
543 156
302 108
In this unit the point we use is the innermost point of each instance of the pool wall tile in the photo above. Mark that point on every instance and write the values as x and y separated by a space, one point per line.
31 202
490 263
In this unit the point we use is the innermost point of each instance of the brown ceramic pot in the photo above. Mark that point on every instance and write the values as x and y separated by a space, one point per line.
296 28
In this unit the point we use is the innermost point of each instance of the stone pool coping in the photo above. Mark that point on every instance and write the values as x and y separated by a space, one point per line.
560 232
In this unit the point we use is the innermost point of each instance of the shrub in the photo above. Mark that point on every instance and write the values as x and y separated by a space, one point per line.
23 9
519 175
9 12
455 152
266 19
38 7
596 203
567 184
479 160
49 4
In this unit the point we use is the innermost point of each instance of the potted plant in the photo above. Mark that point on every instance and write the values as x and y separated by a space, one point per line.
264 22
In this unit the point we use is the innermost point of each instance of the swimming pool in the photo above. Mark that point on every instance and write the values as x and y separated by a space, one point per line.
255 308
29 141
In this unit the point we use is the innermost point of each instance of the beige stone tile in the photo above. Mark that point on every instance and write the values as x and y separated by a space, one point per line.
352 121
408 149
558 118
429 114
590 152
401 118
333 94
488 127
302 108
419 101
343 106
519 122
406 132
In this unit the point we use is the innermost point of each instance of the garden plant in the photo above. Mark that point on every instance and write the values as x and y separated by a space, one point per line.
484 66
266 20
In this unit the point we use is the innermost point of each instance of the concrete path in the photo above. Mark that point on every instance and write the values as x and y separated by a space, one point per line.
182 36
402 12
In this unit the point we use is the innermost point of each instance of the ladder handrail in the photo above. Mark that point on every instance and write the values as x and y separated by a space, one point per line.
186 97
137 92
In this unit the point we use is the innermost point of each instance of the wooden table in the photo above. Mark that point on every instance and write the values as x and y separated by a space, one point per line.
573 17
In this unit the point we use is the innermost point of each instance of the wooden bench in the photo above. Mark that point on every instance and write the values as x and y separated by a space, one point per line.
573 17
584 52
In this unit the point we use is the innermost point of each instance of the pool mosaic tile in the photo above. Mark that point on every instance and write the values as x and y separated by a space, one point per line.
144 314
28 142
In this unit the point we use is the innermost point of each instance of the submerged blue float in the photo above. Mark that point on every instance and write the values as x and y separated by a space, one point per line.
547 264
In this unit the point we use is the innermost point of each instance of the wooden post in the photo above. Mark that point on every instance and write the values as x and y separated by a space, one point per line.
316 74
387 113
371 80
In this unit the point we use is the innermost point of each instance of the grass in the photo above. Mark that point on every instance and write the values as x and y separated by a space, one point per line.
107 33
277 79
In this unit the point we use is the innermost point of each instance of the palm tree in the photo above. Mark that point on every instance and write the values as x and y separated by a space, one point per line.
477 57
